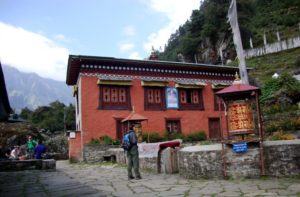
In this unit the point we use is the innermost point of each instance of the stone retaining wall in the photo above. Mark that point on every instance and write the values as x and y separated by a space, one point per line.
30 164
282 158
97 153
203 161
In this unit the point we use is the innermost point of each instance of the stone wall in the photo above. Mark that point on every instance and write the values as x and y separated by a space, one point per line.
243 164
30 164
203 161
98 153
282 158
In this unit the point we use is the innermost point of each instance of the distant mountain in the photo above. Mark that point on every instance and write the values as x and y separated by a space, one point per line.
30 90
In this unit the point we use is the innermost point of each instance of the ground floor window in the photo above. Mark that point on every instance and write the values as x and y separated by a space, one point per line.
173 126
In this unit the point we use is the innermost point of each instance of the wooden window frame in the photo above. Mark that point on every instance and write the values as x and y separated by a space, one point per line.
216 102
157 104
113 102
173 121
189 105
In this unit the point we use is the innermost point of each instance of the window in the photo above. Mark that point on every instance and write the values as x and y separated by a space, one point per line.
114 97
216 102
190 99
173 126
154 98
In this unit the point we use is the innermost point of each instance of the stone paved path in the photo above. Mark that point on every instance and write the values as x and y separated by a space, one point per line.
111 180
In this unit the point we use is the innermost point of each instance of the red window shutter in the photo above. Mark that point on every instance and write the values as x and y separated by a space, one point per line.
195 96
114 95
183 96
157 96
106 94
122 95
150 96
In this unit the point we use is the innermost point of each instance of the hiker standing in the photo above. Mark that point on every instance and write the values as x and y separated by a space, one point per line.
132 155
31 143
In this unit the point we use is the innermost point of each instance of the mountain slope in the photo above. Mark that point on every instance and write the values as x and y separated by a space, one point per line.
30 90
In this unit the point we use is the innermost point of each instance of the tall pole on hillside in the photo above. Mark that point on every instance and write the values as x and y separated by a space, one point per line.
232 18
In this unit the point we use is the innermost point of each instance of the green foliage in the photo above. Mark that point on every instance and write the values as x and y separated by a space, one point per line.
284 90
94 141
104 140
208 25
57 144
55 117
196 136
152 137
192 137
173 136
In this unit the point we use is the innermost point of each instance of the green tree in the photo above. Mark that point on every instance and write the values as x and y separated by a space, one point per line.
283 90
26 113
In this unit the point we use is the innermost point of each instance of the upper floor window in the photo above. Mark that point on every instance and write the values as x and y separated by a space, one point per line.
154 98
190 99
114 97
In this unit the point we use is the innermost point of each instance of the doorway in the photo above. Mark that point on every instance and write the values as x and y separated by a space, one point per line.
214 128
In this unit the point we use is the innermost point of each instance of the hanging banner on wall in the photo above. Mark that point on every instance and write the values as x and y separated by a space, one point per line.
240 117
172 98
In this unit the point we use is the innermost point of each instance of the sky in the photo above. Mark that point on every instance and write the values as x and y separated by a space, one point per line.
39 35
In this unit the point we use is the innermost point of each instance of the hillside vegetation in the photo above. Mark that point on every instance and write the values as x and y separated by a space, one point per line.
207 33
201 38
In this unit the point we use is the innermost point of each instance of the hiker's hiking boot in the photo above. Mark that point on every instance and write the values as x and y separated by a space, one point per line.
138 177
130 177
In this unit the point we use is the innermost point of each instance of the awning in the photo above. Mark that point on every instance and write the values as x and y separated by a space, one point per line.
114 82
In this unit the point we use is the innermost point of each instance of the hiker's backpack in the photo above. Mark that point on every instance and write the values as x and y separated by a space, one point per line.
126 142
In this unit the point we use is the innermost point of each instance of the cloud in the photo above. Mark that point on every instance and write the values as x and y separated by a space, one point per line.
126 47
61 37
32 52
135 55
129 30
177 11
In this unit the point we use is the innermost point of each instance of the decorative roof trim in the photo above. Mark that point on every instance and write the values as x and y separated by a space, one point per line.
147 78
114 82
219 85
189 86
154 83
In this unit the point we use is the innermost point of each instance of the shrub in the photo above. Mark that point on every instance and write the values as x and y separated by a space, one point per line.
94 141
173 136
106 140
57 144
196 136
152 137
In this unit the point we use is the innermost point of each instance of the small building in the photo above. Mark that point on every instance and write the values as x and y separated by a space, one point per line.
172 96
5 109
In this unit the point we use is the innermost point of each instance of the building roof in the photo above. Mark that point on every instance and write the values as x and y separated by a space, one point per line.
134 117
238 88
5 108
76 62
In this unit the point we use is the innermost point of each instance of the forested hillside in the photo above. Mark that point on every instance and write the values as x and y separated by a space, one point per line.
207 32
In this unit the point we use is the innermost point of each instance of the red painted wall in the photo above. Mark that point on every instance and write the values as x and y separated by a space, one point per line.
75 146
97 122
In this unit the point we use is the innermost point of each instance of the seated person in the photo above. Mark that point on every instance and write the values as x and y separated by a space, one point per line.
23 153
39 150
14 154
